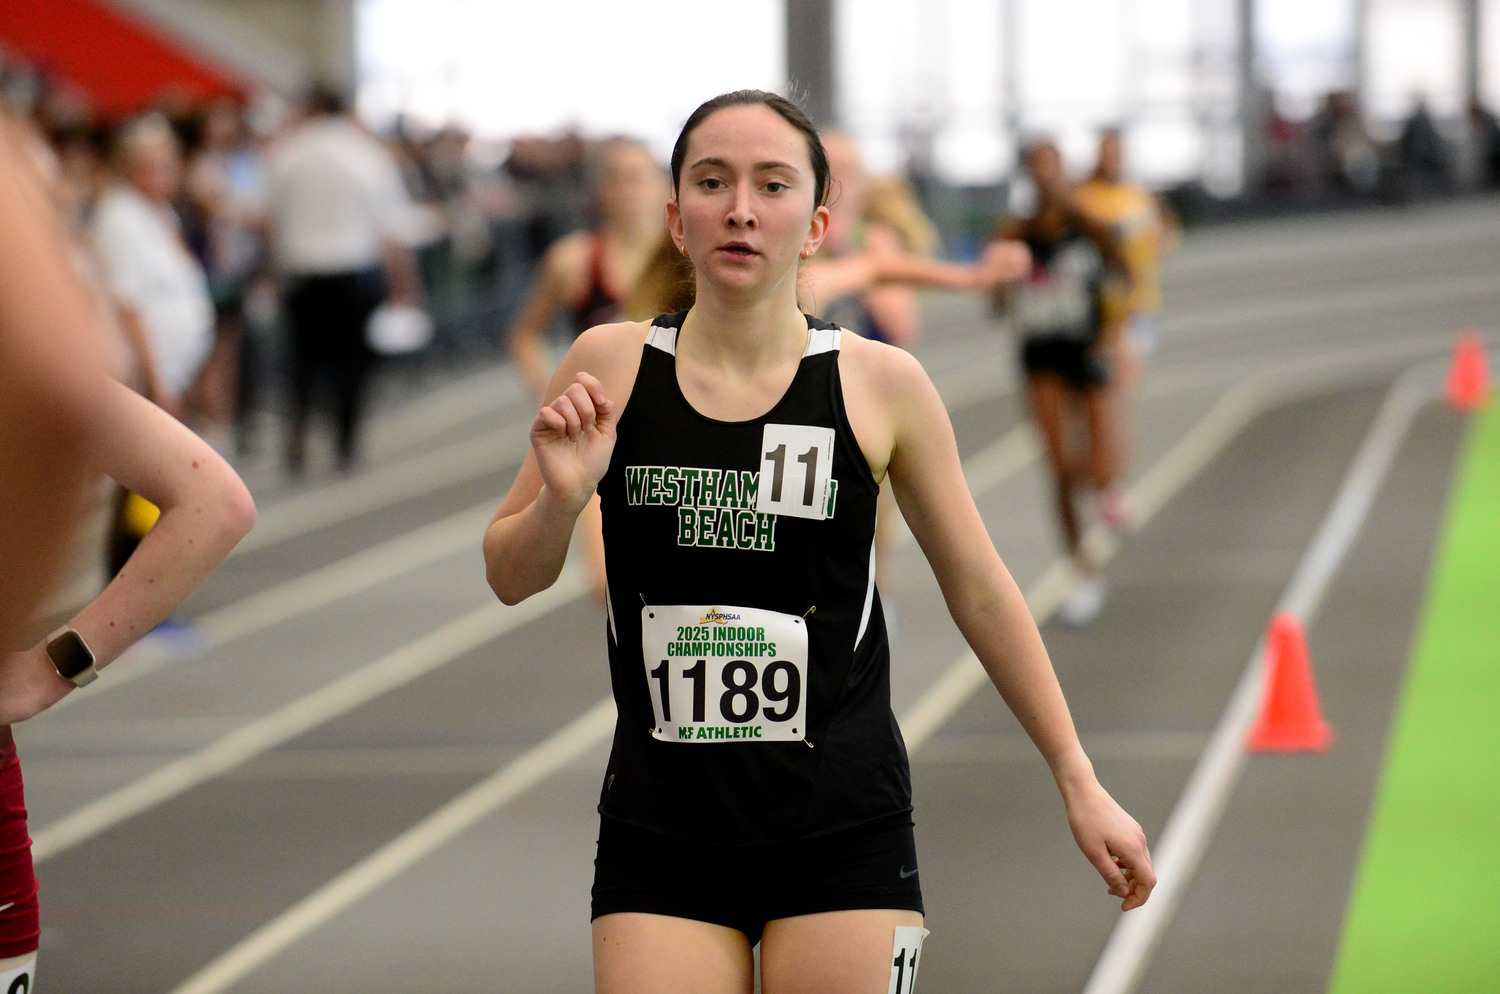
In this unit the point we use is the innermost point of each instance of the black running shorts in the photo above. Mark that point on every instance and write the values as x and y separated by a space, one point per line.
745 886
1082 367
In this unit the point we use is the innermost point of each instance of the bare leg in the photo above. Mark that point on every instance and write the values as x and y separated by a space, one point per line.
1125 378
656 954
838 952
1049 398
1101 416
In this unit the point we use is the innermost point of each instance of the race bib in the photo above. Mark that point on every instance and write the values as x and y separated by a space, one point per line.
18 979
725 674
796 464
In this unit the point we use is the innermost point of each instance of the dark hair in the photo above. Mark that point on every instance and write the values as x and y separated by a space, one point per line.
324 99
1033 144
789 112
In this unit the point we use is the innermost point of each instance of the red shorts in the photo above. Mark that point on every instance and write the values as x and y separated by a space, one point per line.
20 928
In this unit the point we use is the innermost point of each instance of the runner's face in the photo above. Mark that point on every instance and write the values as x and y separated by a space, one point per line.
849 178
632 186
744 211
1110 158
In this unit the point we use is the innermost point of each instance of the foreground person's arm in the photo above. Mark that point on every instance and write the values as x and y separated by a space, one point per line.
205 511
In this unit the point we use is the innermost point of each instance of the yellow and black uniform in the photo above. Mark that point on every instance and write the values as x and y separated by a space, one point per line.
1130 211
757 770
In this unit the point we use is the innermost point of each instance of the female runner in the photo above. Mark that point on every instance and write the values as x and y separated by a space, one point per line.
589 275
1144 228
1065 350
758 789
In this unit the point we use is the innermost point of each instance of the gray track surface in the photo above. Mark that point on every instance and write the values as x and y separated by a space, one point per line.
144 903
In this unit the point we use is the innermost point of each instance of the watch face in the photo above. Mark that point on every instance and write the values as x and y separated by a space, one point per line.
70 654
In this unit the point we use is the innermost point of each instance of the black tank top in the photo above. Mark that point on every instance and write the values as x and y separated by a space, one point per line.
1061 296
600 305
747 647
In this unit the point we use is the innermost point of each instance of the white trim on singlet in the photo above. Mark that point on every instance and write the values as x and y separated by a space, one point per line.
662 338
819 340
609 612
864 618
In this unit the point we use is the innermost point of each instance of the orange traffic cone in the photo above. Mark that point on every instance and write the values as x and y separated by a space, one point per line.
1468 384
1290 718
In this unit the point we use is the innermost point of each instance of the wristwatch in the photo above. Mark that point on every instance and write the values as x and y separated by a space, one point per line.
72 657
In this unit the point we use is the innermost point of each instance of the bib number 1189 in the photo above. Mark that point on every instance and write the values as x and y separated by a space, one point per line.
725 674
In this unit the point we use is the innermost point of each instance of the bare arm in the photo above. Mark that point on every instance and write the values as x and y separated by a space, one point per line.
401 272
529 330
991 612
572 439
830 279
205 511
893 308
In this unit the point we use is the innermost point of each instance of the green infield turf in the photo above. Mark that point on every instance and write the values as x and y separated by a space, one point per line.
1425 911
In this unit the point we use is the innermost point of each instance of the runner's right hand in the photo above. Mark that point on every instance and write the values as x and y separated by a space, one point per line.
573 438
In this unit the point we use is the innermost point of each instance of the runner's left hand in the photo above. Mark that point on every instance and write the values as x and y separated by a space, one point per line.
1005 262
1115 843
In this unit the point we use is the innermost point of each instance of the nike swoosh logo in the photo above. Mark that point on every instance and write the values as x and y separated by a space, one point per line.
905 873
7 904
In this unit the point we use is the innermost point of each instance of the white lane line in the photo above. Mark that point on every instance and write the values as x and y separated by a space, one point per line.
303 594
1182 463
486 391
307 712
417 476
964 676
1191 825
442 826
1308 310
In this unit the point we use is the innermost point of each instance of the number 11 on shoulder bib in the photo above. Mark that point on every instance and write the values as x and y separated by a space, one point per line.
796 464
725 674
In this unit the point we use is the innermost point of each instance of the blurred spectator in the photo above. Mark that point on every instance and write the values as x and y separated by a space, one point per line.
1484 132
1421 153
158 285
225 196
1347 156
1284 167
552 179
337 219
429 192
